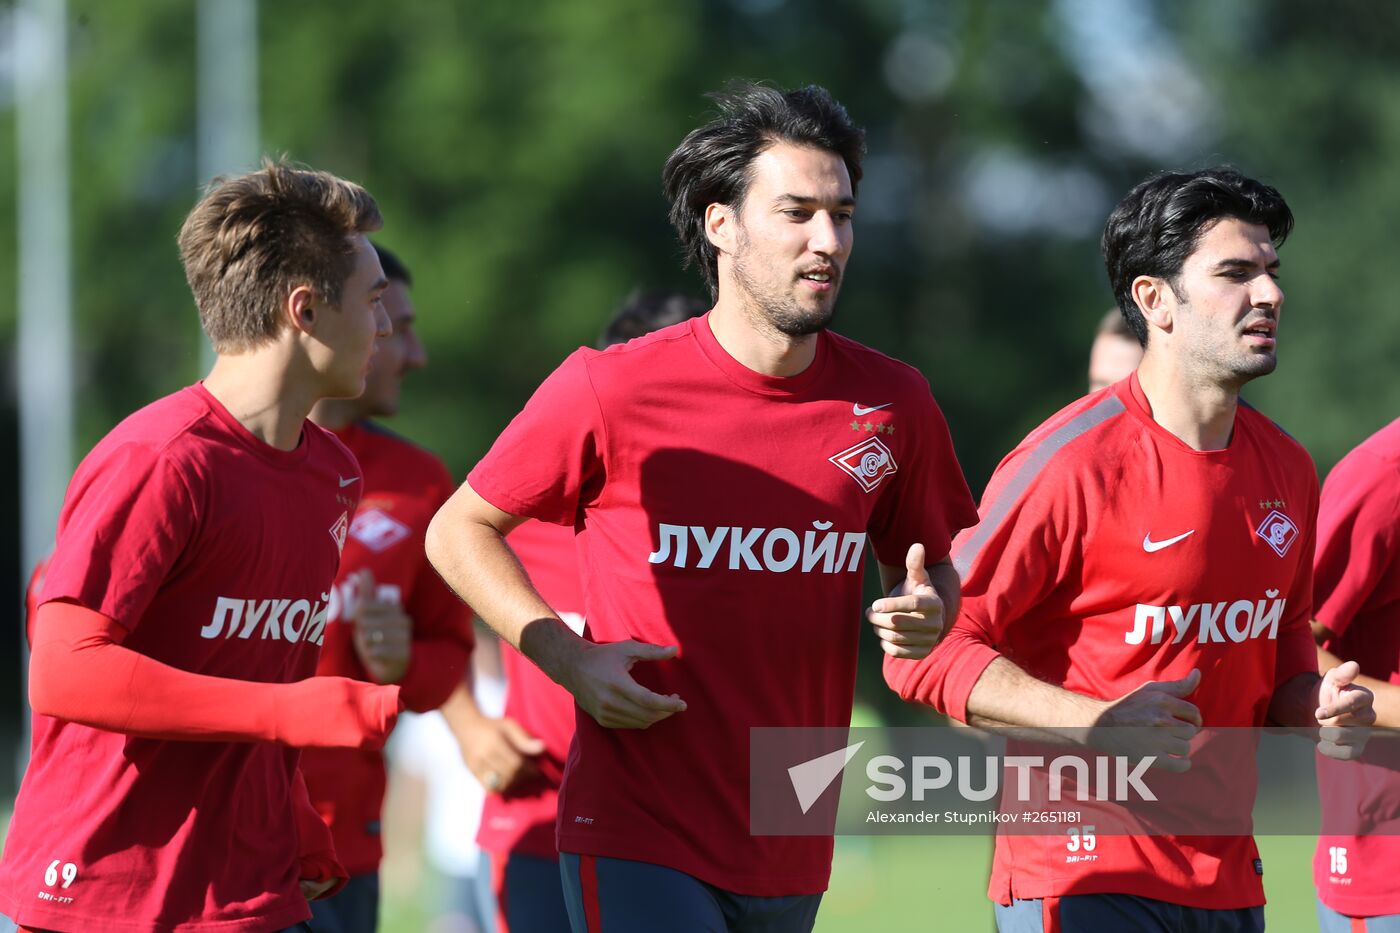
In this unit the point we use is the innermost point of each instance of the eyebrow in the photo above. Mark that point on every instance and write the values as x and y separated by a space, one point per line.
847 201
1246 264
380 284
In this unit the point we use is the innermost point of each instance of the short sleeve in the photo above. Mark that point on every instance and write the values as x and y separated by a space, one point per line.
929 502
126 521
1297 648
1356 530
548 464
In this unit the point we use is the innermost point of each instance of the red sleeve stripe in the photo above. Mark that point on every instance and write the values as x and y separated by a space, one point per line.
966 555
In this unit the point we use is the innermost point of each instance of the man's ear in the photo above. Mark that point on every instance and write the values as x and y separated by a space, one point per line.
300 308
1155 299
721 224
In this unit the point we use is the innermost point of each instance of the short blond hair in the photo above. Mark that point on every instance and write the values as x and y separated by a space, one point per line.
253 238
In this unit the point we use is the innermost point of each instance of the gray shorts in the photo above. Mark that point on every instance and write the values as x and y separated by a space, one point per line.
1329 921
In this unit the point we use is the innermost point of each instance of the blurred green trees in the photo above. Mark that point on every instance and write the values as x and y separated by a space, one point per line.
516 152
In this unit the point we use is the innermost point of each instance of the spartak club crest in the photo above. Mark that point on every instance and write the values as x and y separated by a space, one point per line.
868 463
1278 531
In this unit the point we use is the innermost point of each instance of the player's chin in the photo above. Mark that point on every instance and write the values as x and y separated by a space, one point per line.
1258 363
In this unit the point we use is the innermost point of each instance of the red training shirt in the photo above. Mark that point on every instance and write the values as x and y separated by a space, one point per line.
1111 554
403 487
1356 592
726 512
216 552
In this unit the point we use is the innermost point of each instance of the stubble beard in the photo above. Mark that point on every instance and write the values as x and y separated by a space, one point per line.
783 313
1232 367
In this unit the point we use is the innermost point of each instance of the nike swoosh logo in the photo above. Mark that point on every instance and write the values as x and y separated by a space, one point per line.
1149 545
346 482
859 409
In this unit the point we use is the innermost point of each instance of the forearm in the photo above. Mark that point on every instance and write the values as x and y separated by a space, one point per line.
80 672
435 668
466 544
1387 702
1005 695
460 709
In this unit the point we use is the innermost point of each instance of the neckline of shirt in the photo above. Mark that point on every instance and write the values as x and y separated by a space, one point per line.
1136 401
261 449
756 382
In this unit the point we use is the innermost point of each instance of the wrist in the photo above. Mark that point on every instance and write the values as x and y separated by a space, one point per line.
555 649
1086 712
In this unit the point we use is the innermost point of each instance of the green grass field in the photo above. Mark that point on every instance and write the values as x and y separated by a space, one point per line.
929 884
903 884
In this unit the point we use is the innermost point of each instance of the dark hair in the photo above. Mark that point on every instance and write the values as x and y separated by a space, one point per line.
711 165
394 269
1159 223
253 238
644 312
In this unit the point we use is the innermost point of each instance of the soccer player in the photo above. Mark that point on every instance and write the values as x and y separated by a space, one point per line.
520 757
1184 602
391 618
722 475
185 600
1355 588
1115 352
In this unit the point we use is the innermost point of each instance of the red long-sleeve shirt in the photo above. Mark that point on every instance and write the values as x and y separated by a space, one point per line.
186 594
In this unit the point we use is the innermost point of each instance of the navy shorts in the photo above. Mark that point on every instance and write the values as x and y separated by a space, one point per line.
1122 913
529 893
9 926
1329 921
623 896
352 909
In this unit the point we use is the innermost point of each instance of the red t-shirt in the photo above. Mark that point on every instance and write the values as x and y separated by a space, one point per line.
216 552
403 487
1110 554
522 820
726 512
1357 595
